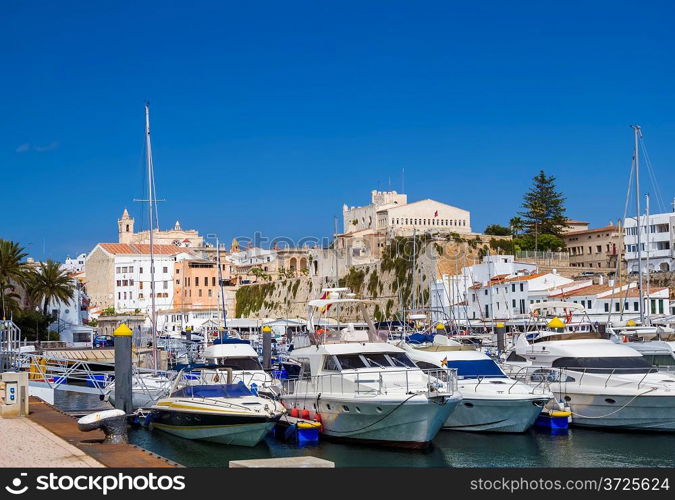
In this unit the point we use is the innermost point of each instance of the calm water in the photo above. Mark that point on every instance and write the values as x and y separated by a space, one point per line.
579 448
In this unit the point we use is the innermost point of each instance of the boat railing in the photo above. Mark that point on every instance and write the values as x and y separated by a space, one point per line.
57 373
432 382
610 377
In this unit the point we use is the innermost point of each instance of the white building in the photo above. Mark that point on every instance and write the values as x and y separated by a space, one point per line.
70 318
499 288
390 212
657 239
75 265
118 275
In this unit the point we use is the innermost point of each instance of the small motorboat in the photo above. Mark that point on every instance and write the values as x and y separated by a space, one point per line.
222 413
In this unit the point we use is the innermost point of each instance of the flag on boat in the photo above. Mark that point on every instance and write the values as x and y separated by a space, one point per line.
444 362
436 213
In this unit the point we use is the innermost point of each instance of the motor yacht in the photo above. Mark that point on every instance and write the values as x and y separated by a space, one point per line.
603 383
239 356
364 389
491 401
223 413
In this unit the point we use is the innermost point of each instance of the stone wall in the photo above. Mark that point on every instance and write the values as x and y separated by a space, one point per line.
402 276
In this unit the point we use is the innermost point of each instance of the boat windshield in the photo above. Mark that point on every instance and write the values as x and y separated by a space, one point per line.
213 391
475 368
619 364
372 360
247 363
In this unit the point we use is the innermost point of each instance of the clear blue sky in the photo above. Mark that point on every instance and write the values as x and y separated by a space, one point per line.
269 115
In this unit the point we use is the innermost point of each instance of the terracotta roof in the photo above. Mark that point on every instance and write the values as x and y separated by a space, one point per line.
527 277
583 291
134 249
614 229
633 292
575 221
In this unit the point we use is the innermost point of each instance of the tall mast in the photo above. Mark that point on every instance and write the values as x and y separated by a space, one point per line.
637 133
649 249
151 205
220 284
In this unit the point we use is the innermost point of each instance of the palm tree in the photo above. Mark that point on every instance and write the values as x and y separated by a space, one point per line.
50 283
517 225
13 271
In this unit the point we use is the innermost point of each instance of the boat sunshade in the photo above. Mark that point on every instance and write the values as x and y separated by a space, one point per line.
475 368
213 391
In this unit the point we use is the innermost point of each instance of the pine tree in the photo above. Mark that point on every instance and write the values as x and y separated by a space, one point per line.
543 207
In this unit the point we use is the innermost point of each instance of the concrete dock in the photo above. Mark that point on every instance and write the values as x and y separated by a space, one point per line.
48 437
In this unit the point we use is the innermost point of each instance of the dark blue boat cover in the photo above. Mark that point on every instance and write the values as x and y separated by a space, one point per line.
213 391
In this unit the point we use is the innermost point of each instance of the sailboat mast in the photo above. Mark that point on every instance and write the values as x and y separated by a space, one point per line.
151 197
636 159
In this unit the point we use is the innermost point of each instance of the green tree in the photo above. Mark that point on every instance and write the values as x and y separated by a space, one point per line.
544 207
49 283
33 325
497 230
13 271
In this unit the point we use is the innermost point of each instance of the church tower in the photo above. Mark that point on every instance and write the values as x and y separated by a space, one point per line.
125 228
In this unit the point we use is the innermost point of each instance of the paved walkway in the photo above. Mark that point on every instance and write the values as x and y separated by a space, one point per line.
27 444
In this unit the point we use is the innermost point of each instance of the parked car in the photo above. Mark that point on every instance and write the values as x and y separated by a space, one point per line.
104 341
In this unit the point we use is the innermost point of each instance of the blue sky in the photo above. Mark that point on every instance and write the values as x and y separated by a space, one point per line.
267 116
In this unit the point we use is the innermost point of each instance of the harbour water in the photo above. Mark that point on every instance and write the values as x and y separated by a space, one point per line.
579 448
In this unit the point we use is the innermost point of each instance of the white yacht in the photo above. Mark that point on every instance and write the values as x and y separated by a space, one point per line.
363 388
491 401
603 383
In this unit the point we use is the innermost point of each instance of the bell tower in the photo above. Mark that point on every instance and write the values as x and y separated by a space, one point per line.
125 228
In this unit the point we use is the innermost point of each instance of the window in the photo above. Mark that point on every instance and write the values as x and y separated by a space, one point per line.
165 269
589 305
513 303
125 282
521 287
617 364
140 285
140 270
351 361
617 306
130 295
513 287
210 294
199 292
213 281
331 364
606 306
196 280
166 285
636 306
131 269
119 283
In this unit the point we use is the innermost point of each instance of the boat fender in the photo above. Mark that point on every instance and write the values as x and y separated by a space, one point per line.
317 419
304 414
295 413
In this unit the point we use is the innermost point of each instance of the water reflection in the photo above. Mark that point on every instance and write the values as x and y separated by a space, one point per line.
579 448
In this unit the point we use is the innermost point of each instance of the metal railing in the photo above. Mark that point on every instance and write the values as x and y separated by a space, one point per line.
547 377
431 382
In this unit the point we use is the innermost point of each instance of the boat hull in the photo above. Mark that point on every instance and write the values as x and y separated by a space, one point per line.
410 423
645 413
494 415
223 429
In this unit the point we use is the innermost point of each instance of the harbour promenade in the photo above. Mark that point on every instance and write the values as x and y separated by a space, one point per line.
48 437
